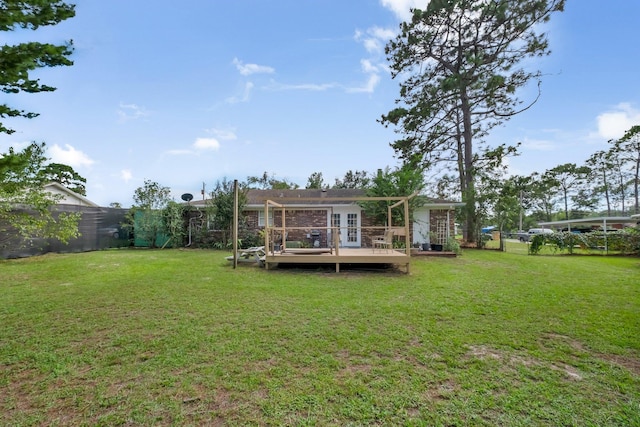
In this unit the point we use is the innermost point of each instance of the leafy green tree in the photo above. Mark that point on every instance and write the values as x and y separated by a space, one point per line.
353 179
266 182
542 192
25 206
499 198
403 181
459 63
510 204
521 187
316 181
18 61
173 216
628 147
446 186
567 179
220 208
146 215
601 165
151 195
65 175
621 177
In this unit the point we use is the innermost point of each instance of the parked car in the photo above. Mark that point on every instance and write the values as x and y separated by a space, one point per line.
525 237
112 231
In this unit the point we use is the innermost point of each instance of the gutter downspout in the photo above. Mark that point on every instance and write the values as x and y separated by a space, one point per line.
190 225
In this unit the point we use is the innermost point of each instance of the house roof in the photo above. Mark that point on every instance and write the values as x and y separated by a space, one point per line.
69 197
258 197
313 197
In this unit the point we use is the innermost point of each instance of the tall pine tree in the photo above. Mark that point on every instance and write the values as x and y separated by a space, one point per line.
18 61
460 64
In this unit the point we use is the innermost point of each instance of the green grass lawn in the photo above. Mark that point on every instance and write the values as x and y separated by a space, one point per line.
177 337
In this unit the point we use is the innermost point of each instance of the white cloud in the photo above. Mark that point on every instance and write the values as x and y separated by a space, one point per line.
126 175
179 152
382 33
17 146
368 67
538 144
210 144
248 69
129 112
224 134
402 8
246 95
373 40
313 87
613 124
70 156
205 144
368 87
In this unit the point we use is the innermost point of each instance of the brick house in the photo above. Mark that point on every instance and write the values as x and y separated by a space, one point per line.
310 213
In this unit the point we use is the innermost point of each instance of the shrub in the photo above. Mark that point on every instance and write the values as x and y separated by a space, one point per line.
452 245
251 239
624 241
536 243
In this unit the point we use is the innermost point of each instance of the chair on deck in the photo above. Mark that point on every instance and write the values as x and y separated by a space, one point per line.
383 242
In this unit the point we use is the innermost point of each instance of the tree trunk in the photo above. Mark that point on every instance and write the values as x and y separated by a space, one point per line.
469 190
635 185
606 191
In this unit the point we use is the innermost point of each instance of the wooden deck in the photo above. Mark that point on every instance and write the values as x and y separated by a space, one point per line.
340 256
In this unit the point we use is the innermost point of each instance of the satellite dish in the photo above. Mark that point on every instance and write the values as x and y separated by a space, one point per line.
187 197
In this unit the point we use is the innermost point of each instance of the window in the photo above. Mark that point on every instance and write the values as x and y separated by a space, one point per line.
352 227
261 219
336 220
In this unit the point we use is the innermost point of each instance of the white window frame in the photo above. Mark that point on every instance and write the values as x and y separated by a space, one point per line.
261 219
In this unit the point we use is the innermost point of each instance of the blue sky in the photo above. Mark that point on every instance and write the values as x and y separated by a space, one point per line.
186 93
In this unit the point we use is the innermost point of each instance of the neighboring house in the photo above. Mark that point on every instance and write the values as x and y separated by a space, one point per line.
99 227
68 197
309 219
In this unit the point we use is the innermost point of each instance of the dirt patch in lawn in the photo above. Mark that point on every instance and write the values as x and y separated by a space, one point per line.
632 364
484 352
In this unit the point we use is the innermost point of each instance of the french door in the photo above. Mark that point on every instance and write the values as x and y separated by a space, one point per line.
347 221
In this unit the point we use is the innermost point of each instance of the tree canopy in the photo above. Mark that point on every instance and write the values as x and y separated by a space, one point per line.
146 216
628 148
25 205
460 66
267 181
353 179
402 181
18 61
221 210
65 175
315 181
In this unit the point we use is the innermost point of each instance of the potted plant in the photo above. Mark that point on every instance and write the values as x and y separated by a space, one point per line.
425 245
434 238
